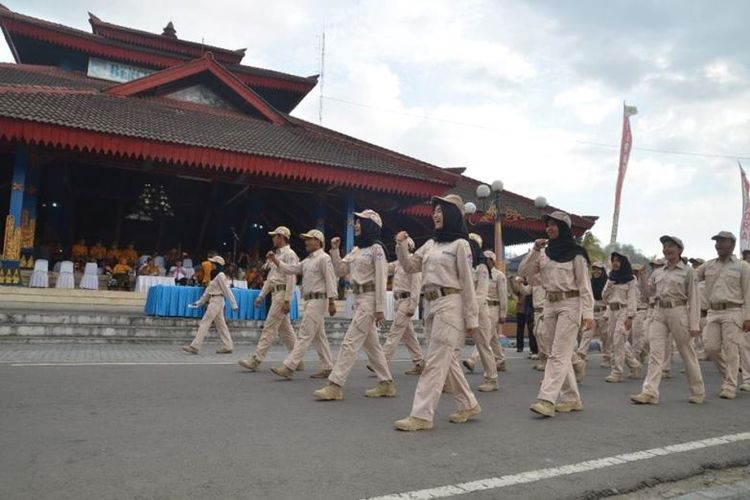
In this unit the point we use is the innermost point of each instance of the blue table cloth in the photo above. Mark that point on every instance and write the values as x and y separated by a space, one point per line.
173 301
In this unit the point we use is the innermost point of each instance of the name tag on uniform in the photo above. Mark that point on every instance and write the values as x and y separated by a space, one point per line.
449 253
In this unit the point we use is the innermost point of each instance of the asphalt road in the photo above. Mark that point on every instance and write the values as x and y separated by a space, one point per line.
211 431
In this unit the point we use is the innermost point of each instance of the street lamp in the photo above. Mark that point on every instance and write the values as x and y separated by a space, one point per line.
483 192
540 202
470 208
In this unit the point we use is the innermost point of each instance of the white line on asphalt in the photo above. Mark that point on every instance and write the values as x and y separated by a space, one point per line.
565 470
126 363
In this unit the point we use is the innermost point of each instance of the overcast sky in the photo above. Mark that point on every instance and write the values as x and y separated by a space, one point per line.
527 92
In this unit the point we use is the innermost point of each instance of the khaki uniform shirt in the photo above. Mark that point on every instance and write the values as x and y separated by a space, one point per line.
561 277
499 290
625 294
445 265
406 282
679 283
481 283
218 286
727 281
365 266
317 274
275 278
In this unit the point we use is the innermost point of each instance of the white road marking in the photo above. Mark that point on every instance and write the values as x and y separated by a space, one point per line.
565 470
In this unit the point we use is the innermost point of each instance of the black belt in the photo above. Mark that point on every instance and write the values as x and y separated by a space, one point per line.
279 288
558 296
215 294
722 306
366 288
538 309
616 307
598 309
314 295
493 303
401 295
436 293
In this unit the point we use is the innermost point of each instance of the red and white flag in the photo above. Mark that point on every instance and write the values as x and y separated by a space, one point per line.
745 225
625 147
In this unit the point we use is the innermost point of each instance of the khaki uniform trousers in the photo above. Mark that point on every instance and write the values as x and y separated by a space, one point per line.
723 338
277 323
745 358
562 320
311 330
214 315
446 331
639 333
602 328
540 338
361 334
622 353
666 323
403 328
497 348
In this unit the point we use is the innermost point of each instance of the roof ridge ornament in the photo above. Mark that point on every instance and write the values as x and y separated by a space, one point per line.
169 31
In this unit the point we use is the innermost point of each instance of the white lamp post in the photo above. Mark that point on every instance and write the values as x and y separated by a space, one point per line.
483 192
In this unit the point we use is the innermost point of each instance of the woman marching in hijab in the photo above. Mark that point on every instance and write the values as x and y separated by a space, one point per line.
565 275
598 282
446 263
621 295
216 291
367 267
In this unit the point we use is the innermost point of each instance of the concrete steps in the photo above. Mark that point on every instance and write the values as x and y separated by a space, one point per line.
53 299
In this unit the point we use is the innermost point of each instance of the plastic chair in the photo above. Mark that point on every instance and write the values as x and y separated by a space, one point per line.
40 275
65 279
90 279
142 259
159 261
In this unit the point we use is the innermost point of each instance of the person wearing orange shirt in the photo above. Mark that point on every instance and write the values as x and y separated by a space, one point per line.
130 253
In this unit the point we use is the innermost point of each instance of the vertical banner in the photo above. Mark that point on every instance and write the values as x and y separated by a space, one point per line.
745 225
625 145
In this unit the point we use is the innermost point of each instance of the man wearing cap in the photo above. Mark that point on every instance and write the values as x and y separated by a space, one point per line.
727 290
677 312
497 307
318 287
407 288
564 268
281 288
367 267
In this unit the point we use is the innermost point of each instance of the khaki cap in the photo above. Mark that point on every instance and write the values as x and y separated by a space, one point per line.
314 234
282 231
559 215
476 238
657 262
724 235
489 254
453 199
218 259
674 239
598 264
370 214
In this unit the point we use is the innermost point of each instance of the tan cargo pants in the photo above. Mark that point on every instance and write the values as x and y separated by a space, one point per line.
562 321
277 323
214 315
723 338
312 330
403 328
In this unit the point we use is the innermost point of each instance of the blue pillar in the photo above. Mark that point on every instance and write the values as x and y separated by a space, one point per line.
28 217
320 215
10 264
349 210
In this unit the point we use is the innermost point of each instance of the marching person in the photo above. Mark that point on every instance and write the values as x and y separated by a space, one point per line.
215 293
727 290
497 310
621 296
446 262
318 288
487 330
281 288
407 288
564 270
639 332
598 281
367 267
677 312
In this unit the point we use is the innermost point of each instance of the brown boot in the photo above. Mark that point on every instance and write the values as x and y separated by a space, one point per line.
417 370
224 350
644 399
568 406
489 385
697 400
727 394
251 364
501 366
283 372
413 424
321 374
469 365
384 389
543 408
190 349
331 392
613 379
462 416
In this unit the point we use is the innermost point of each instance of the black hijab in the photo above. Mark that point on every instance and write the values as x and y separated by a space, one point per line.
369 236
598 284
217 268
564 248
625 273
454 228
